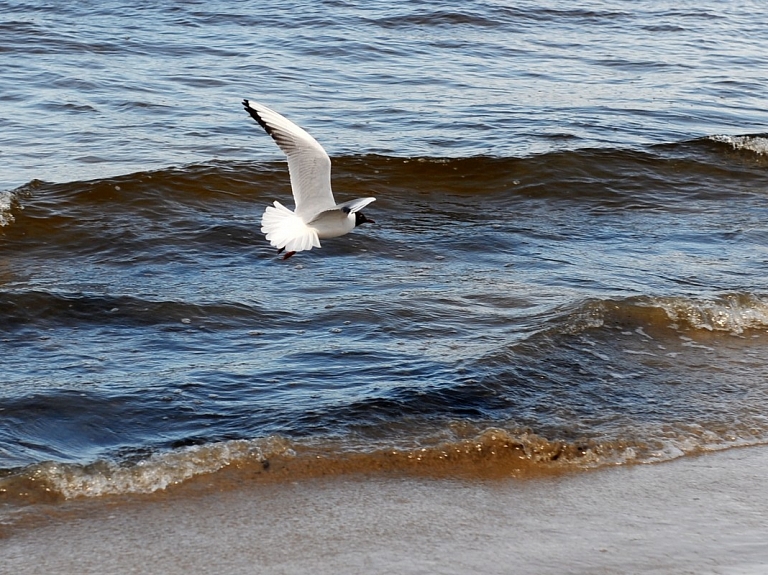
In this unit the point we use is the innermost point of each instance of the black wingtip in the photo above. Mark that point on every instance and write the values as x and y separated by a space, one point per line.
255 115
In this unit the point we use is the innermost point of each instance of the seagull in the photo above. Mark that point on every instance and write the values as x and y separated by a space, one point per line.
317 215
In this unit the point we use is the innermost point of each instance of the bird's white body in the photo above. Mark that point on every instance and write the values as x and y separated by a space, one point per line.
317 216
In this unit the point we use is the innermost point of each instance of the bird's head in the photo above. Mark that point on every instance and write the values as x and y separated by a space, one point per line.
361 219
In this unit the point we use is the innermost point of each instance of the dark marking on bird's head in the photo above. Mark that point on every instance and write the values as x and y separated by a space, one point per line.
361 219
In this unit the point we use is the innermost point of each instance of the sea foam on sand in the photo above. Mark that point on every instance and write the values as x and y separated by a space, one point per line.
704 514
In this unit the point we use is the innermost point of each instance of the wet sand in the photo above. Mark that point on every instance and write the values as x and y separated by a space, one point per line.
706 514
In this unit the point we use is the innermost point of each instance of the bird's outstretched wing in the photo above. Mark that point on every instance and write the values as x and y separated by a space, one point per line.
308 163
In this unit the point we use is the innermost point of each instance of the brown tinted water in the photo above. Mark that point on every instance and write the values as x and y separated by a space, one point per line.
567 271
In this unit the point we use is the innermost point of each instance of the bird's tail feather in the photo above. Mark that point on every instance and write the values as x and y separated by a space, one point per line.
285 230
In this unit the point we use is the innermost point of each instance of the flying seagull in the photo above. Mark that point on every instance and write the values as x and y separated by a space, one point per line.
317 215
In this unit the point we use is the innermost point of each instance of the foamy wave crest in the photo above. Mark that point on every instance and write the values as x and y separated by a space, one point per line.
155 473
6 203
734 313
10 200
757 144
489 452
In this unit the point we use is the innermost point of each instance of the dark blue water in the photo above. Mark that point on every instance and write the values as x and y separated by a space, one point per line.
568 265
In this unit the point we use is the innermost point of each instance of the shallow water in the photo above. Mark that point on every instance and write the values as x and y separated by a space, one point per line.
568 265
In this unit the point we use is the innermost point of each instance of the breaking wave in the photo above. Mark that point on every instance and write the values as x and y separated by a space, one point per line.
490 453
6 203
752 143
730 313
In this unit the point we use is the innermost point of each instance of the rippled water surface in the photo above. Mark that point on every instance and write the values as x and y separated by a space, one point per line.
568 265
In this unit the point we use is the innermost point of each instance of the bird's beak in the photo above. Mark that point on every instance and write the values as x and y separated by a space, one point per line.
361 218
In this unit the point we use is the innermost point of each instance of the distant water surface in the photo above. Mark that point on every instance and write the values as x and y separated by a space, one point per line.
568 266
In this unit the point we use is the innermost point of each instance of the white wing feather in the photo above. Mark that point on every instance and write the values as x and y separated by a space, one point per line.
308 163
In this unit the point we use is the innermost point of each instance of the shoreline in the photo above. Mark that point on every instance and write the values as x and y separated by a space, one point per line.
698 514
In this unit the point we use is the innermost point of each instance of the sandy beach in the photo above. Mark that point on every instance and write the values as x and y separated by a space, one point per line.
698 515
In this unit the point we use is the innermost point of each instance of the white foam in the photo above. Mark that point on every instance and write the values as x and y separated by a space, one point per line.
157 472
6 202
732 313
757 144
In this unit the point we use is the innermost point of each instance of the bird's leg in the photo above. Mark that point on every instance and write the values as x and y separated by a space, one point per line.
287 255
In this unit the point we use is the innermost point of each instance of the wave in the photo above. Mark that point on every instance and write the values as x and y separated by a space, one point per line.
734 313
581 174
752 143
24 309
491 452
7 200
731 313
